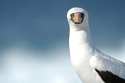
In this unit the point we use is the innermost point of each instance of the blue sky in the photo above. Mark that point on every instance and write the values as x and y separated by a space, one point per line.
36 32
42 24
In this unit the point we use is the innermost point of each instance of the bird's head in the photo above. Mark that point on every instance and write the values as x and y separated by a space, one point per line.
77 17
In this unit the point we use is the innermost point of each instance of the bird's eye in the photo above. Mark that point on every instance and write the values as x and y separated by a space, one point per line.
77 17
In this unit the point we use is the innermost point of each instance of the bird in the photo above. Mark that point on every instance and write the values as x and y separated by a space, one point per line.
91 64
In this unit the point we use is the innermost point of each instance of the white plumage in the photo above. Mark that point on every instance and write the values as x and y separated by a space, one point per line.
86 59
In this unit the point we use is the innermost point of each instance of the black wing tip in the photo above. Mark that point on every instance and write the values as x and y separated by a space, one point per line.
109 77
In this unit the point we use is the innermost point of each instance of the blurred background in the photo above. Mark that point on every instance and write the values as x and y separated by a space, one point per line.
34 37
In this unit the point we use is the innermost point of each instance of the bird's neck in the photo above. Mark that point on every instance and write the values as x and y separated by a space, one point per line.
79 44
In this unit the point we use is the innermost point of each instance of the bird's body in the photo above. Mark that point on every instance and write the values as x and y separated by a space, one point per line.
80 53
90 64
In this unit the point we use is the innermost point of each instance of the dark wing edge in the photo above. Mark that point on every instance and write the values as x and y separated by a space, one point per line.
109 77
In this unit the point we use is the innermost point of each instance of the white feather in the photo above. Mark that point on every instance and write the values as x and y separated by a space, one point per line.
84 57
104 62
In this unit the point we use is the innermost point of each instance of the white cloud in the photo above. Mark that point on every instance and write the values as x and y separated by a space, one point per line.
24 66
20 65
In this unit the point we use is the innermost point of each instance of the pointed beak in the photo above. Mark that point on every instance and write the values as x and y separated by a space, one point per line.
77 17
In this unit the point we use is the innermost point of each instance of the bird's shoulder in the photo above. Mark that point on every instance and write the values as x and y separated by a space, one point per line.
100 60
103 62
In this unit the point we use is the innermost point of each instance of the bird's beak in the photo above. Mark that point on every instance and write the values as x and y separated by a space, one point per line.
77 17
